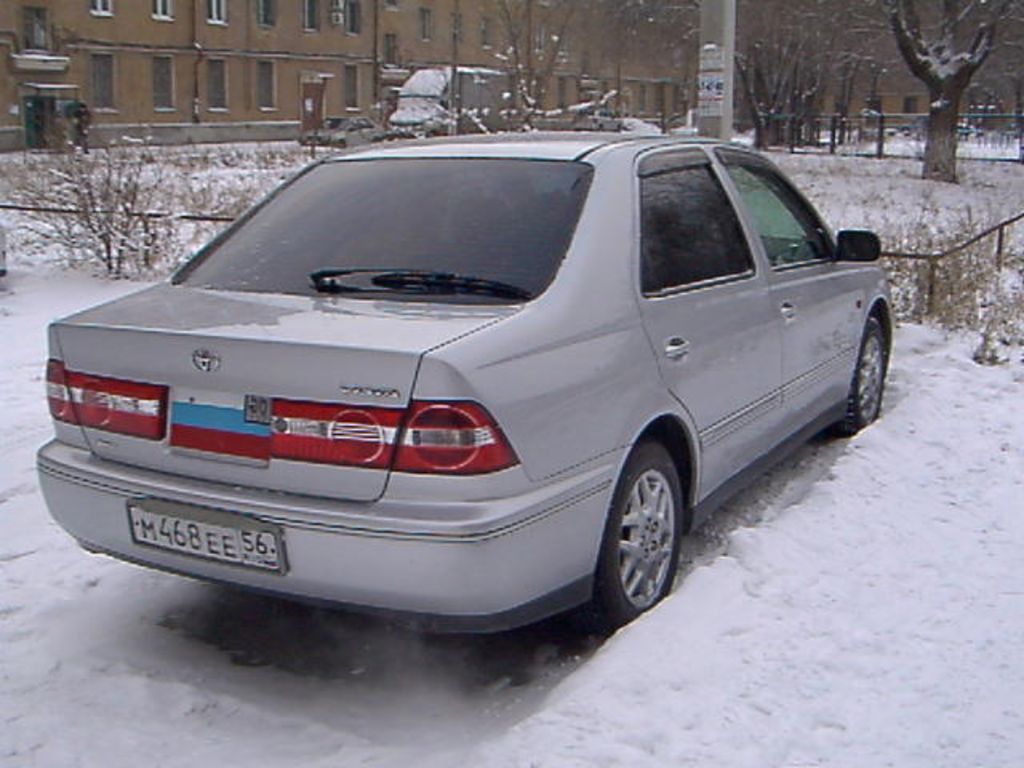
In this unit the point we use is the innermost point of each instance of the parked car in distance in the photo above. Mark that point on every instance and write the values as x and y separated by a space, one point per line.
473 382
344 132
425 105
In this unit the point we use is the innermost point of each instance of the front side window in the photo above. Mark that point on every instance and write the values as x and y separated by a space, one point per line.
790 232
310 15
102 80
101 7
36 35
265 84
353 17
217 11
689 231
501 220
163 83
266 13
163 9
217 84
485 32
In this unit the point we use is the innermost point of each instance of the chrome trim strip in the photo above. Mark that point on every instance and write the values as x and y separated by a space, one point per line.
820 372
741 418
48 467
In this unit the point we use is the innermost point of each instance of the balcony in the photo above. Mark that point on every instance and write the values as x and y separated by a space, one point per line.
39 61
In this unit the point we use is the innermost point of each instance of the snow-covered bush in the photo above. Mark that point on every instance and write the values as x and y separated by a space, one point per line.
118 207
97 206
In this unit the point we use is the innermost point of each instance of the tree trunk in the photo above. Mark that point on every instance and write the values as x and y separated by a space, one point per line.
940 146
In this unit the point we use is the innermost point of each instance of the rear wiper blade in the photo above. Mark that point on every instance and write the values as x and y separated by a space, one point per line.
331 280
448 282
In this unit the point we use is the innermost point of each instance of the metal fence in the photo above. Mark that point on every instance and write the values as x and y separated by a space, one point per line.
956 284
982 136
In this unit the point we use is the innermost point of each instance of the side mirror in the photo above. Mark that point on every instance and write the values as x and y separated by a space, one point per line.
857 245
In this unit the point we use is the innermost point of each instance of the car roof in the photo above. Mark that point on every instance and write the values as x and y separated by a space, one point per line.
563 145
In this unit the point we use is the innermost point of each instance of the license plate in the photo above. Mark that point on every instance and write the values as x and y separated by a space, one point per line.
209 534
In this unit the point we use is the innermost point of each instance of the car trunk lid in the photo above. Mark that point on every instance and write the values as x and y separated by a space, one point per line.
237 366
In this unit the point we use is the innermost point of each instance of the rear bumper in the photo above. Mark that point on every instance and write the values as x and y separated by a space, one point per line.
531 556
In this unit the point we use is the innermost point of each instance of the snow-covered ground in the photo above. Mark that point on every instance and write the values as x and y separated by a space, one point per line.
861 605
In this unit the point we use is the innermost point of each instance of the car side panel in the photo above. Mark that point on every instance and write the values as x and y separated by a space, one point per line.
820 336
572 376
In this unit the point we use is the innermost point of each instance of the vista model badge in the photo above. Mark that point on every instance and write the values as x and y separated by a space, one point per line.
205 360
383 393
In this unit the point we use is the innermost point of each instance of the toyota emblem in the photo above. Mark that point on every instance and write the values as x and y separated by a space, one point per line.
205 360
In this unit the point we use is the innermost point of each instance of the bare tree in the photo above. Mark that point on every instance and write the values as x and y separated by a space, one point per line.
944 49
535 37
780 60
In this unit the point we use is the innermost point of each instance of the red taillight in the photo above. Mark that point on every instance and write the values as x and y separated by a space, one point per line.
454 438
114 405
57 392
329 433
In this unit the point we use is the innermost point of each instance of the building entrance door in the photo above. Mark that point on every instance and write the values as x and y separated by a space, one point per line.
40 121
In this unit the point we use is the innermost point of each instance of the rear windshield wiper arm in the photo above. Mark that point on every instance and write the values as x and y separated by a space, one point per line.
417 281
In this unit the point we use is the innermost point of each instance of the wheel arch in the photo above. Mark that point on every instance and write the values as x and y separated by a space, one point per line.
672 434
881 311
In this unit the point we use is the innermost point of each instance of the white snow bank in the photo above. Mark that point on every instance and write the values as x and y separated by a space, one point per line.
876 621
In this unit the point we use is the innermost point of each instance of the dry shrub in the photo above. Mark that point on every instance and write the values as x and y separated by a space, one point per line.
108 189
967 290
110 192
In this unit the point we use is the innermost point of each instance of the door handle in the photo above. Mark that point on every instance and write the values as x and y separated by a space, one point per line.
788 311
676 348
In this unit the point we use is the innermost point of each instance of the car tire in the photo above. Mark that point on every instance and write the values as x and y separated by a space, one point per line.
639 552
867 386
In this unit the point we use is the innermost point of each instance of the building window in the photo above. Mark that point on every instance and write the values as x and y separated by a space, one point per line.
163 9
353 17
485 32
217 84
163 83
641 98
457 26
910 106
265 85
391 48
217 11
540 39
426 24
393 4
311 15
101 7
563 92
102 80
36 30
350 86
266 12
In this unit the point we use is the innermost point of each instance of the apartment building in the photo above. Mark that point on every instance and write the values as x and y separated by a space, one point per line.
180 70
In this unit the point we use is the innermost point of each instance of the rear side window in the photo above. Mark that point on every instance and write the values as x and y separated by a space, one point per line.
689 231
502 220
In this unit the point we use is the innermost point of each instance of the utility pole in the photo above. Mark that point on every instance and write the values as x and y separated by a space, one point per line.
715 78
455 83
528 85
378 102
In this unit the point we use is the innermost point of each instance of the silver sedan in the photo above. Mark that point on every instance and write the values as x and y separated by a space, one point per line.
472 382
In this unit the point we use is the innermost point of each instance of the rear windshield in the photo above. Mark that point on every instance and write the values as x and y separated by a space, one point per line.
504 220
